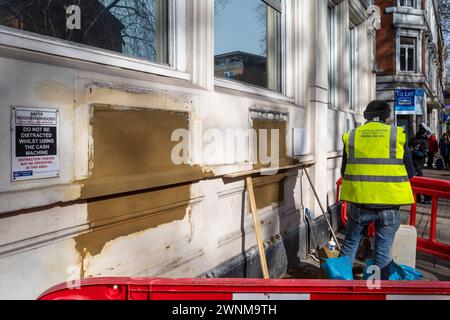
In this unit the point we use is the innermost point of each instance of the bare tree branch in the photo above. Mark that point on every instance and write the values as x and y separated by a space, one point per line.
107 8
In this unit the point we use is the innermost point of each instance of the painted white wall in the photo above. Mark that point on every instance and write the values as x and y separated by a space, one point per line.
341 118
38 221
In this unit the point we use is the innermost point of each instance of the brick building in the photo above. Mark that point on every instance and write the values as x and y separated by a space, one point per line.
411 55
241 66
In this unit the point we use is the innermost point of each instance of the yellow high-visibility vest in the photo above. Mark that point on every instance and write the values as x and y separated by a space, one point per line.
375 173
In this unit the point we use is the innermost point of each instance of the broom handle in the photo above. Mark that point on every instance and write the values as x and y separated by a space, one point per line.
323 210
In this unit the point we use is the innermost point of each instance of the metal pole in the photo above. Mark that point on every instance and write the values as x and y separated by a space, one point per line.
323 210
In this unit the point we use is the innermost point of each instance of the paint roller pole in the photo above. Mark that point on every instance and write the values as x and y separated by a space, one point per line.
257 224
323 210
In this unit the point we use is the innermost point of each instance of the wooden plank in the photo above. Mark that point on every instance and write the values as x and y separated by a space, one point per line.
267 170
257 224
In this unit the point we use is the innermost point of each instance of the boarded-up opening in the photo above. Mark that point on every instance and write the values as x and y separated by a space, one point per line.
269 125
132 150
270 190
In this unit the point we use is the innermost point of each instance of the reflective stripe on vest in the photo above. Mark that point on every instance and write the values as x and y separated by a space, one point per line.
375 173
376 178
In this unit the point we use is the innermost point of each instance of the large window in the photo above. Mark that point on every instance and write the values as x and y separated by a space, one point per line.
331 56
352 57
407 54
133 27
248 42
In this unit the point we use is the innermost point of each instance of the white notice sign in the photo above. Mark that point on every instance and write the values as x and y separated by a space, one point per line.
35 152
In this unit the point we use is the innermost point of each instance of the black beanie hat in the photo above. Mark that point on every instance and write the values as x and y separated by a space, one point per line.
377 109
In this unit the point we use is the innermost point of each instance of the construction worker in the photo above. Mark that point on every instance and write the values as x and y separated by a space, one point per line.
376 170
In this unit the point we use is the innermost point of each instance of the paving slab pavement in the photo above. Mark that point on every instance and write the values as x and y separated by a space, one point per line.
433 269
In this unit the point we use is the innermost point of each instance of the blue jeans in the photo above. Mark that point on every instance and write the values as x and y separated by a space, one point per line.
387 223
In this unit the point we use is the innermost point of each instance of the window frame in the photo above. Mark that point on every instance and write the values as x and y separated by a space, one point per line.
407 48
277 5
331 39
176 67
418 36
409 56
414 4
285 94
352 67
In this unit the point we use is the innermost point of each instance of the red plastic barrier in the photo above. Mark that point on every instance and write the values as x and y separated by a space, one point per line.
245 289
436 189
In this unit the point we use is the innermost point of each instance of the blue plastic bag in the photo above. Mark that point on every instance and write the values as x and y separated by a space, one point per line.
338 268
397 272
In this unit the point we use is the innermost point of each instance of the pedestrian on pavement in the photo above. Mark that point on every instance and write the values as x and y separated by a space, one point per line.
444 149
419 152
419 148
433 148
376 170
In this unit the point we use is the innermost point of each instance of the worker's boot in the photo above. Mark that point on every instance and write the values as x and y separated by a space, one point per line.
358 270
386 271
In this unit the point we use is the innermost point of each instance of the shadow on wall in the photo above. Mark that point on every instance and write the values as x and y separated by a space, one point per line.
284 247
291 223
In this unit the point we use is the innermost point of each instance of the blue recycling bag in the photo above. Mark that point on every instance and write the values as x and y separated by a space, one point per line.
397 272
338 268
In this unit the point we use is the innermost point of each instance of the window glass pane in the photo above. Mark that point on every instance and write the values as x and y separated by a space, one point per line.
410 59
352 66
407 53
133 27
331 57
407 3
247 42
402 59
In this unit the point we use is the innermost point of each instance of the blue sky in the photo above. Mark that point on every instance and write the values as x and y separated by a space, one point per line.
237 27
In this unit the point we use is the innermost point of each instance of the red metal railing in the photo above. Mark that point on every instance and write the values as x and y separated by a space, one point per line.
436 189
